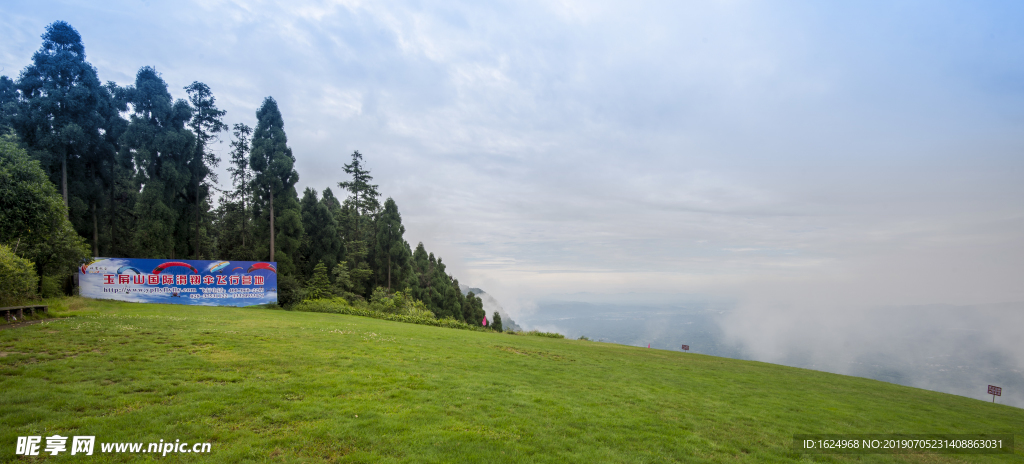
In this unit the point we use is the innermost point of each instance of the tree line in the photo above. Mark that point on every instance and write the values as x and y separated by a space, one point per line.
134 170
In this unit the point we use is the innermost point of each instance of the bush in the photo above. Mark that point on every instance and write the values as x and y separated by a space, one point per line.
33 216
288 290
542 334
420 316
319 285
51 286
398 303
17 278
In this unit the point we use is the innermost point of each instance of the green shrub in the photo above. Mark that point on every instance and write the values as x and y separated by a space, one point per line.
333 305
319 285
542 334
17 278
416 316
33 218
289 291
51 287
398 303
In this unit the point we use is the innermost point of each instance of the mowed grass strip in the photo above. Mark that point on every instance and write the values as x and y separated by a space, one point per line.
277 386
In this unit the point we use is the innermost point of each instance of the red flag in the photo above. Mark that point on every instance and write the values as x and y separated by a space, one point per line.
485 320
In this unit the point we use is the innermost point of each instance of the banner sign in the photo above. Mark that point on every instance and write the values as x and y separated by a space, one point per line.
169 281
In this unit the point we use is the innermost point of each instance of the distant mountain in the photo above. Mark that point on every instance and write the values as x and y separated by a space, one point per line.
491 305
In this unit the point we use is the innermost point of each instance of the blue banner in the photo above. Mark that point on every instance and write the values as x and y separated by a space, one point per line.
180 281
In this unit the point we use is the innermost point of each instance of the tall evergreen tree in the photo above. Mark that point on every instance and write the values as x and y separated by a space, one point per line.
321 243
473 310
234 227
433 285
62 117
422 274
357 225
274 179
360 275
206 122
122 188
8 103
392 253
450 294
160 145
364 194
332 203
61 96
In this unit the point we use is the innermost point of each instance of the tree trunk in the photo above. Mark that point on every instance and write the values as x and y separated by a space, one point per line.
197 221
64 183
245 216
271 226
113 208
95 233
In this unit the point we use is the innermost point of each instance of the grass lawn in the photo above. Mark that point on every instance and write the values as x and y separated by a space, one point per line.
279 386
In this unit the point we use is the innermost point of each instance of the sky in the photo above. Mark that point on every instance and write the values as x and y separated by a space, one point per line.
797 154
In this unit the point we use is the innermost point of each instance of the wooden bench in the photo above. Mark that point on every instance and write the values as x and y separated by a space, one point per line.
17 313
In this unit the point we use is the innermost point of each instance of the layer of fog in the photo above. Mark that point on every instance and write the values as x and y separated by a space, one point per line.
957 349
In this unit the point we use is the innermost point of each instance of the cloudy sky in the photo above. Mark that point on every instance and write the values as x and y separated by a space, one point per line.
822 152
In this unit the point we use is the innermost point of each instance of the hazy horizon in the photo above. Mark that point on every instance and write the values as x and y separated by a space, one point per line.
946 348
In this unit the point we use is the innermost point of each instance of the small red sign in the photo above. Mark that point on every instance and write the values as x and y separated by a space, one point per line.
686 347
994 390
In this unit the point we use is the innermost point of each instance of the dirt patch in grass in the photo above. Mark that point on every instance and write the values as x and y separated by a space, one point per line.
3 354
525 352
15 325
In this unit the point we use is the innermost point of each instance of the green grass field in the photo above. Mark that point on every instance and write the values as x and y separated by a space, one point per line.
279 386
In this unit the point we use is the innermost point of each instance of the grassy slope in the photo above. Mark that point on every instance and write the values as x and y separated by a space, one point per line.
288 387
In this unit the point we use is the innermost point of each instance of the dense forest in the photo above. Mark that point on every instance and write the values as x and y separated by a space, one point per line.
129 173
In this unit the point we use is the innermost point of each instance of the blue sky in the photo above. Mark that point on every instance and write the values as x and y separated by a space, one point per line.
806 153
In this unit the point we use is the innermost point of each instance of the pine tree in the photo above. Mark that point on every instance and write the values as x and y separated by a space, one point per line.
423 266
123 188
496 321
160 146
61 94
364 194
392 252
274 179
456 300
436 289
235 239
62 116
321 242
357 227
319 285
206 122
360 275
473 311
342 283
8 104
